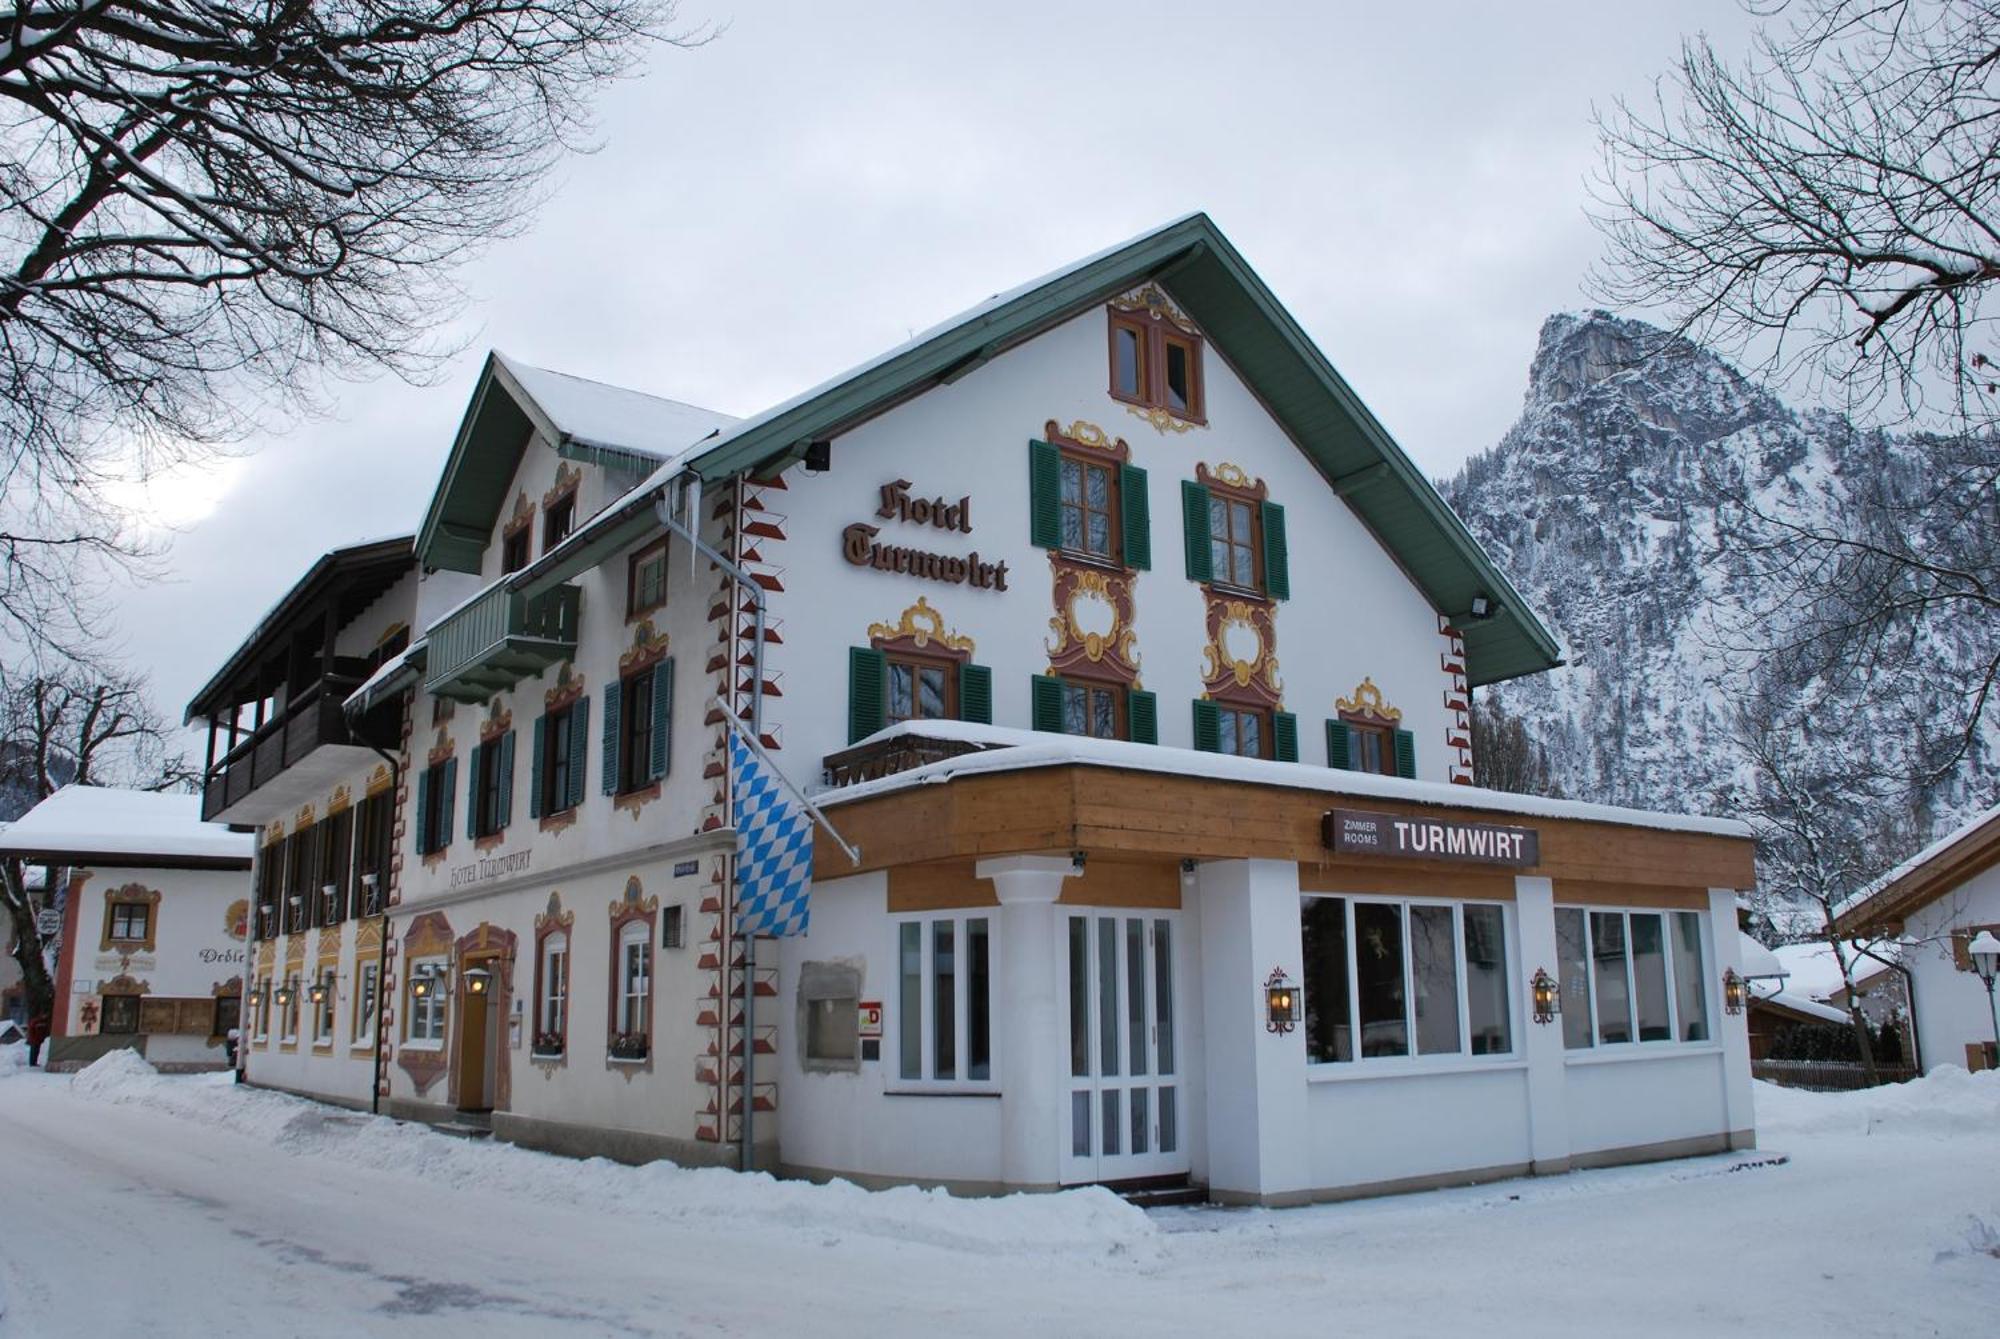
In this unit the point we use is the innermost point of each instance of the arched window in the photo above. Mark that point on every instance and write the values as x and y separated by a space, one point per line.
552 998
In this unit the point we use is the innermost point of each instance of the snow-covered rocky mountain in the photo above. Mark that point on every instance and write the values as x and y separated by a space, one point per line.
1602 503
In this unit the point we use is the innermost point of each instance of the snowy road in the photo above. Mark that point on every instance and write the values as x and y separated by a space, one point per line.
131 1203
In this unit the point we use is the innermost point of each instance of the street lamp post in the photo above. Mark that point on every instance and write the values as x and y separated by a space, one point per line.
1985 951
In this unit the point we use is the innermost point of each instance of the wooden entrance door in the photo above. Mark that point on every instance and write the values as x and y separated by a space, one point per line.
474 1089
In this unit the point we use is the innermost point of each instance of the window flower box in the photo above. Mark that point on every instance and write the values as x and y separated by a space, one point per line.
629 1046
547 1046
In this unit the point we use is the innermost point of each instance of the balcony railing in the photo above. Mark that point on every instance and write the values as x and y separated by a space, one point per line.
311 719
499 639
903 753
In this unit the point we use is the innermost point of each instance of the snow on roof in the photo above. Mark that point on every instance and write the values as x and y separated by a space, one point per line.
362 698
1920 859
1815 972
102 820
743 426
1013 750
596 414
1797 1001
1758 961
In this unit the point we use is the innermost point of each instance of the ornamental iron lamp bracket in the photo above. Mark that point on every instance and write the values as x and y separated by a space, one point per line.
1281 1002
1547 996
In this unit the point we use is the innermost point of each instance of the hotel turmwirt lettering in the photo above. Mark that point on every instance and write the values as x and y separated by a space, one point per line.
1038 757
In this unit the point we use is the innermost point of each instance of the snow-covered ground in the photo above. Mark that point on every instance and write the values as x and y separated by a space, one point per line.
132 1202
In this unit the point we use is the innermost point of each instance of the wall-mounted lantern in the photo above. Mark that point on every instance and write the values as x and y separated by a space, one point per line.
256 996
316 992
1281 1002
478 981
1547 995
283 995
1735 991
424 984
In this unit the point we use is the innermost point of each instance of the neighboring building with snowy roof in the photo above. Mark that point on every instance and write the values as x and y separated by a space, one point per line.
1935 903
1149 869
152 923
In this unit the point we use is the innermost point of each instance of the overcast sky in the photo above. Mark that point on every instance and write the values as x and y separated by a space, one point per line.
827 179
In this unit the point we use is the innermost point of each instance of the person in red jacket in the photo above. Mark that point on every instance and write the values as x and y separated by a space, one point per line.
38 1032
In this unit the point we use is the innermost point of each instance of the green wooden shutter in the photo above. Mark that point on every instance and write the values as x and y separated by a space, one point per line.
472 793
1406 754
612 691
579 749
1136 514
867 684
447 805
1194 521
1045 702
663 718
537 763
1207 725
505 814
975 694
425 842
1142 716
1285 736
1339 746
1044 496
1277 561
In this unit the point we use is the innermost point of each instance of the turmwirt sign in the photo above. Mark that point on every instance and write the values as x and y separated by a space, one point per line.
1365 832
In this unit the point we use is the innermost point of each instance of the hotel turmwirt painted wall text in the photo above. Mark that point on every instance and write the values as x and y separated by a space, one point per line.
1103 665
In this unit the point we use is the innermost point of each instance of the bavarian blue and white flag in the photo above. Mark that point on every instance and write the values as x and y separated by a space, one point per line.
774 847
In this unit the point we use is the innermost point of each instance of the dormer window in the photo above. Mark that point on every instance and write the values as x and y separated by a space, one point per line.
1156 357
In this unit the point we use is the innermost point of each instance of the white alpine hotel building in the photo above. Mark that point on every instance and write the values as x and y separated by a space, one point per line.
1133 658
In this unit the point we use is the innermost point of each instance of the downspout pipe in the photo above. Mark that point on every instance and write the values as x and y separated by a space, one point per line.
688 526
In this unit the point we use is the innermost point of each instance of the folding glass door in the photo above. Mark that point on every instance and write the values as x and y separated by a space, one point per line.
1125 1111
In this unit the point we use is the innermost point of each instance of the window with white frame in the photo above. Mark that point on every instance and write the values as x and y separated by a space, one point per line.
945 1000
288 1023
1397 979
1631 977
263 1020
425 1014
367 989
323 1011
552 1008
635 981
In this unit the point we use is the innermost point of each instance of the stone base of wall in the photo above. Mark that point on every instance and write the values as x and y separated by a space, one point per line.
575 1140
329 1099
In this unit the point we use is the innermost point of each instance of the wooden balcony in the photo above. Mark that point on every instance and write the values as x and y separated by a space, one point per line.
493 642
257 780
872 762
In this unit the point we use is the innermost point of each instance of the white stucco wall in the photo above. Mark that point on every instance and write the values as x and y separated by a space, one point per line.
1951 1005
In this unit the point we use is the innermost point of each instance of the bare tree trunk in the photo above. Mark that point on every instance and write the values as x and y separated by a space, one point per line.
35 979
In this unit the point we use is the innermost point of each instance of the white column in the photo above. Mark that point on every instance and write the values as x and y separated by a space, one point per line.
1031 1058
1548 1096
1259 1132
1738 1103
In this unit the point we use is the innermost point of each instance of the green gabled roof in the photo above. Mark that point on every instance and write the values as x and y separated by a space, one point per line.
582 420
1240 317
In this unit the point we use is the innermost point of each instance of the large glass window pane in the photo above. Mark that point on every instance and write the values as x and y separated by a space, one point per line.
1690 987
1177 376
1649 977
1113 1129
1434 968
1572 977
1614 996
1079 1000
910 999
1079 1123
1107 997
1225 723
1486 980
978 1000
1135 1000
1329 1027
1076 710
1163 994
1169 1134
1378 973
902 694
944 1000
931 693
1125 341
1142 1141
